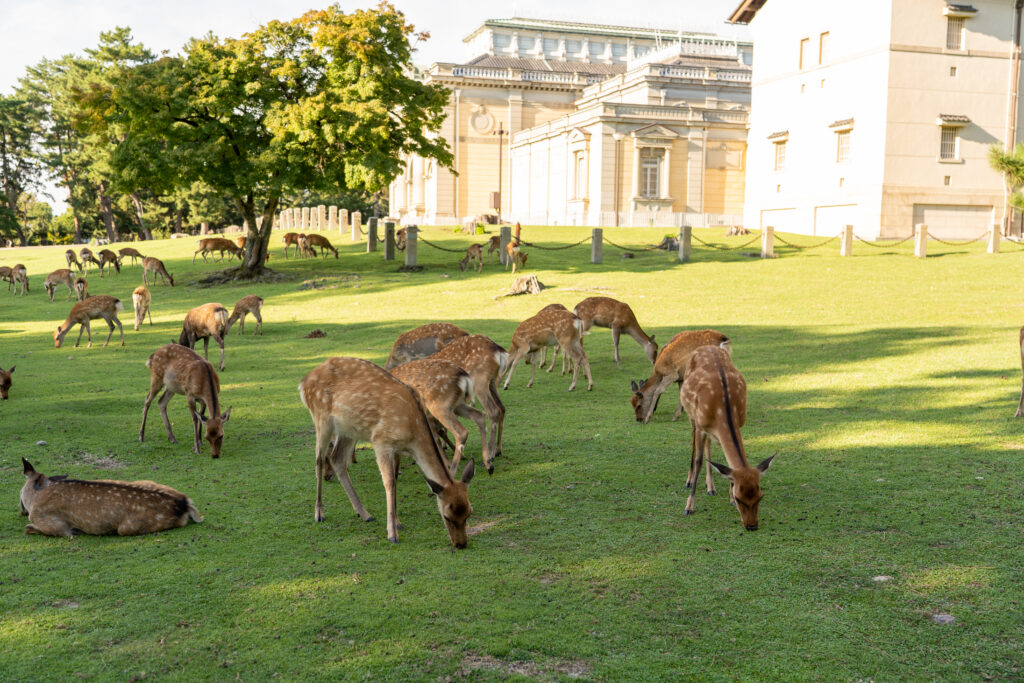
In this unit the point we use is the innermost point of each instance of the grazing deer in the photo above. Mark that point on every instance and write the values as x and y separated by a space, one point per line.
61 276
550 327
87 258
606 312
212 244
72 259
400 239
203 322
670 367
354 400
19 278
130 252
475 254
322 242
493 245
421 342
5 382
715 397
305 250
516 257
58 506
247 304
446 391
180 370
7 273
485 361
81 289
107 257
154 265
94 307
141 300
291 239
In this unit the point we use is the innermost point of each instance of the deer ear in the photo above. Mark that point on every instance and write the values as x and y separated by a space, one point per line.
468 472
634 386
435 487
766 463
724 470
28 467
226 416
202 418
12 369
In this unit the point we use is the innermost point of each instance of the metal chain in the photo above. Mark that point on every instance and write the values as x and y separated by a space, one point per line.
568 246
649 248
1019 245
960 242
436 246
721 248
810 246
882 246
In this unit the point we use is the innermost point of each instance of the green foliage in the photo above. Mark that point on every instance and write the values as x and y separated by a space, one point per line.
19 171
1011 164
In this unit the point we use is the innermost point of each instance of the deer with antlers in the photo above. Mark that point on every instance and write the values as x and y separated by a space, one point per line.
155 266
129 252
5 382
607 312
58 506
141 300
485 361
446 391
179 370
474 254
550 327
322 242
72 258
204 322
353 400
94 307
61 276
714 395
291 239
670 367
421 342
247 304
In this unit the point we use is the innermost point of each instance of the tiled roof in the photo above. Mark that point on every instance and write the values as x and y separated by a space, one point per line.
953 118
779 134
841 123
579 27
497 62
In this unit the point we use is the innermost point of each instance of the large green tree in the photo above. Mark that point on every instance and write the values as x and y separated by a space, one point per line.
19 167
321 103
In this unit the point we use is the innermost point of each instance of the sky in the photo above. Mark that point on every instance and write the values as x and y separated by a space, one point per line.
31 30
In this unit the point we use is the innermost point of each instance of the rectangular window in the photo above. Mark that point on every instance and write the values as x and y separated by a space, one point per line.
823 47
581 176
805 46
952 71
780 155
842 146
949 143
955 33
650 176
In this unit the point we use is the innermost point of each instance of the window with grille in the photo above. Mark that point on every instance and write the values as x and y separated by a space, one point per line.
780 155
955 33
580 190
805 48
650 176
949 142
842 146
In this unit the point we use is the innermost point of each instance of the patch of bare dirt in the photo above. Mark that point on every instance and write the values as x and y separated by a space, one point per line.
100 462
542 669
482 526
316 334
332 282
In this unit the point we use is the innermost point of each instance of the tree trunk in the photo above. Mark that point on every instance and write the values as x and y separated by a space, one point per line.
78 225
258 243
107 212
146 234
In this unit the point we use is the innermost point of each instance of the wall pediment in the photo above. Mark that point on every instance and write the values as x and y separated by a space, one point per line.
655 131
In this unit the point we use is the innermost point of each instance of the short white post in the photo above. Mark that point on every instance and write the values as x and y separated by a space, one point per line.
921 241
846 244
596 245
371 235
357 225
768 242
332 218
506 237
993 239
410 245
321 220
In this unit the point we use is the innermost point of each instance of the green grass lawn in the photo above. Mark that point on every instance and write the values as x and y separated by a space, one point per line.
886 385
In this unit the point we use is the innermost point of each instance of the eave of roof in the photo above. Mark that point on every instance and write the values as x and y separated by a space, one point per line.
582 28
745 11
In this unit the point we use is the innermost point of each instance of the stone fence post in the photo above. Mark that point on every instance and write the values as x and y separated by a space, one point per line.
846 242
921 241
411 233
389 241
768 242
596 245
371 235
357 226
685 242
332 218
993 239
506 237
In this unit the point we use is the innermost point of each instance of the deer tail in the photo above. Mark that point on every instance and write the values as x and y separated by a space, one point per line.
501 356
578 324
466 386
193 513
118 305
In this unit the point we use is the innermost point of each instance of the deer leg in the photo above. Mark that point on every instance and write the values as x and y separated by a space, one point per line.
615 343
696 468
461 434
259 323
51 525
386 464
497 415
709 480
84 328
1020 404
241 324
341 456
463 410
197 425
220 341
691 476
164 400
679 408
517 356
206 348
110 334
322 444
153 391
150 312
656 391
533 369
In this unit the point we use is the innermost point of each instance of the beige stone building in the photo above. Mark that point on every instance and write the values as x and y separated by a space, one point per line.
525 73
879 115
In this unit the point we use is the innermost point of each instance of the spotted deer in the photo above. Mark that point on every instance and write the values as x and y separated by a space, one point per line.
550 327
446 390
204 322
485 361
212 244
714 395
603 311
94 307
141 301
155 266
322 242
291 239
5 382
247 304
107 259
61 276
87 258
421 342
179 370
129 252
58 506
72 258
19 277
81 289
305 251
351 400
670 367
474 254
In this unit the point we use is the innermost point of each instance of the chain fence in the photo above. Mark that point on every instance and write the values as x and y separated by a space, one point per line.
647 248
957 243
420 238
567 246
722 248
806 246
879 245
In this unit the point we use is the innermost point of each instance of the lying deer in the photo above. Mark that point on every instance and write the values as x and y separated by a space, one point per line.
130 252
446 391
87 258
203 322
141 300
354 400
421 342
485 361
323 243
154 265
19 278
291 239
58 506
671 367
61 276
108 258
5 382
715 397
550 327
247 304
475 254
180 370
493 245
72 259
516 257
94 307
606 312
81 289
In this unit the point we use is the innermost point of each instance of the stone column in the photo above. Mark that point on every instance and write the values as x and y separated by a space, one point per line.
685 240
305 219
921 241
993 239
371 235
846 243
506 237
332 218
357 226
389 241
768 242
343 220
321 219
596 245
411 233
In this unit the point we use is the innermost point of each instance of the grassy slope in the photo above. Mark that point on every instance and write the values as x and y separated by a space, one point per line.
886 384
